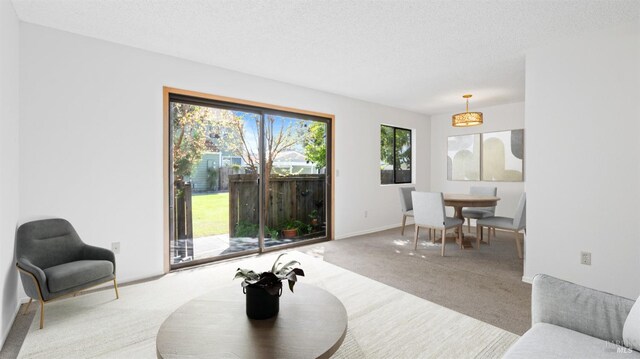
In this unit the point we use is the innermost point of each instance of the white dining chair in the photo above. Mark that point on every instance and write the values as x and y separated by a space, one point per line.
428 212
407 206
479 212
515 224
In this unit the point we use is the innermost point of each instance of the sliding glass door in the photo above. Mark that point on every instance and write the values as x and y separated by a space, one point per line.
296 160
221 204
215 165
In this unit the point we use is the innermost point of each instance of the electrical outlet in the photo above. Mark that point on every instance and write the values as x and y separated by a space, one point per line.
585 258
115 247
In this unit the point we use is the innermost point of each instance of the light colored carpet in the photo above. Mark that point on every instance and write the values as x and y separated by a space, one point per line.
383 322
485 284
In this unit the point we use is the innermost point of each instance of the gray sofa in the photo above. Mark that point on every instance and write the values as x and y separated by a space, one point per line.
572 321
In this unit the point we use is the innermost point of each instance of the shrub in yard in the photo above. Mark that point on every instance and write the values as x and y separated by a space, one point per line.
271 232
248 229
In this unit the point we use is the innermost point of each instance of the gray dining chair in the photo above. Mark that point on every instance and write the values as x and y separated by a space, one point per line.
515 224
479 212
428 212
405 203
54 262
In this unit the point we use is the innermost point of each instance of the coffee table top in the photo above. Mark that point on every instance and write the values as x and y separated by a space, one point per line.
312 323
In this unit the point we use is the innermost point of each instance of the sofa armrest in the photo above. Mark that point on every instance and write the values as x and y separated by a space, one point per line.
588 311
33 290
98 253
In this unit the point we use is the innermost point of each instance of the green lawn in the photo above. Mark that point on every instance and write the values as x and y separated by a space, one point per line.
210 214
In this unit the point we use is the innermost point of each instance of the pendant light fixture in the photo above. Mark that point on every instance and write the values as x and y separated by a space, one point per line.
467 118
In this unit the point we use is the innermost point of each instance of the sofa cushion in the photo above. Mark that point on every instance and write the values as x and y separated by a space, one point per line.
72 274
551 341
631 330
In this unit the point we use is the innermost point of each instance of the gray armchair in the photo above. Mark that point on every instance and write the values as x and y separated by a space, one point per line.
572 321
53 262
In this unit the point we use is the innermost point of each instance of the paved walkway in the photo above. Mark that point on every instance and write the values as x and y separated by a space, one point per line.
205 247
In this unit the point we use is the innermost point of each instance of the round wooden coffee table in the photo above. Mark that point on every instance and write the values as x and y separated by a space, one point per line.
312 323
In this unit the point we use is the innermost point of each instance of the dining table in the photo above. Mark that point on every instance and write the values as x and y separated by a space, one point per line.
459 201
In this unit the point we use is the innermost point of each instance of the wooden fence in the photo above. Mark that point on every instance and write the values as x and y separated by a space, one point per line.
182 211
290 197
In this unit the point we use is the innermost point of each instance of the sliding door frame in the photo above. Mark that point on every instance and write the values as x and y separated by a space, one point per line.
239 104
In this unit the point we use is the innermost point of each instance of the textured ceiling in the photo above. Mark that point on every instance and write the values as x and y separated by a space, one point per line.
417 55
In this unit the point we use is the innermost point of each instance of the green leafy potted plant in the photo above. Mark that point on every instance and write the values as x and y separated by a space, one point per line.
263 290
289 229
314 217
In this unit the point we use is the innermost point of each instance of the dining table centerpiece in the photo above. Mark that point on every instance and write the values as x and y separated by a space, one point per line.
263 290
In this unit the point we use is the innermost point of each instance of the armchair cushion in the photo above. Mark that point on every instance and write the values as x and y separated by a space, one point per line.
572 321
585 310
99 253
73 274
551 341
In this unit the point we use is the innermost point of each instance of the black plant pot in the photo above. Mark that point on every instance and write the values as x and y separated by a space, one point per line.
261 304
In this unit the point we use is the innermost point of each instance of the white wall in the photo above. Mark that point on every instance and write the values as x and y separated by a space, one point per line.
9 171
496 118
583 159
91 141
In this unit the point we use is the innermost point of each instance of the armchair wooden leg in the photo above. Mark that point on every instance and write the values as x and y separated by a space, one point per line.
468 224
115 286
477 237
460 236
518 247
404 220
489 235
443 241
432 233
27 307
41 314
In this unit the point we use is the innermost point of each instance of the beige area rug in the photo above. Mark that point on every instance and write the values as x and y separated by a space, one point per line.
383 322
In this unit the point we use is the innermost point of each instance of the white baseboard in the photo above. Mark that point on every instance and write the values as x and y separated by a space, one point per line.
367 231
527 279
